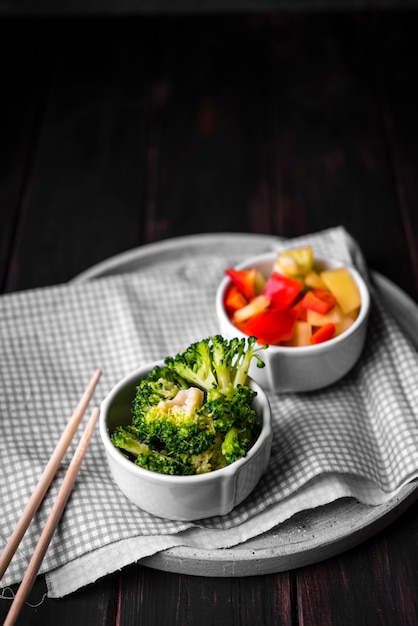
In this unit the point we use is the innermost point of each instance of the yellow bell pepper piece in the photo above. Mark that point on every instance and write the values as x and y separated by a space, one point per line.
343 286
313 280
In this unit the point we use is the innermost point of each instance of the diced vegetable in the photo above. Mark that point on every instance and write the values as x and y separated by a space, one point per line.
259 281
270 326
345 323
343 286
335 316
324 333
282 290
295 305
244 281
234 299
313 280
295 262
257 304
299 311
319 300
302 334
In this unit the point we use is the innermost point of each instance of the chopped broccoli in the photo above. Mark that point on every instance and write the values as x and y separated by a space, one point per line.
188 438
217 363
163 464
162 383
127 438
175 424
195 413
235 444
210 459
231 408
195 364
223 355
243 363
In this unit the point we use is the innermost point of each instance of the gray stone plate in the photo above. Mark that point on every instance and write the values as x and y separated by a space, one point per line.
309 536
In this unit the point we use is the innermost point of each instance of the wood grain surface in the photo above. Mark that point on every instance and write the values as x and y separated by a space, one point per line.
117 131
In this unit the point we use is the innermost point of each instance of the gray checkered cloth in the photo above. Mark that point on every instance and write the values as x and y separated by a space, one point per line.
358 438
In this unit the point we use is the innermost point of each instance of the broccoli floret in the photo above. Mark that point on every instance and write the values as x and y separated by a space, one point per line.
178 439
210 459
224 353
176 424
234 417
217 363
245 352
195 364
163 464
162 383
231 360
234 407
128 440
195 413
236 444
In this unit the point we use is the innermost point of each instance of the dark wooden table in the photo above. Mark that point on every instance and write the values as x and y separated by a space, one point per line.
120 131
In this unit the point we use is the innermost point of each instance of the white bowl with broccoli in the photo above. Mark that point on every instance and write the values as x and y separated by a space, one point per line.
189 437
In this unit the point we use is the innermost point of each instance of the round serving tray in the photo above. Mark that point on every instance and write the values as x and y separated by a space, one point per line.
309 536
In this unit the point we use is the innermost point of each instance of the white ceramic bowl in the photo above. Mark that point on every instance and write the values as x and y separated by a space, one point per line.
304 368
182 497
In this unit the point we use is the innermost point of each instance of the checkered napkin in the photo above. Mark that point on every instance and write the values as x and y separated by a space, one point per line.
358 438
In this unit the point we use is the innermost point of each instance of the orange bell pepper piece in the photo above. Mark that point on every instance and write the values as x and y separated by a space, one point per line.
234 299
319 300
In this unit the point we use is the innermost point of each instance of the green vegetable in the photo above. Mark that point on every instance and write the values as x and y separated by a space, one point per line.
194 414
127 439
216 363
162 383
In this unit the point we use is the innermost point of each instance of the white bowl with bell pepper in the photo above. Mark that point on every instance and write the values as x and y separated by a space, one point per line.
312 313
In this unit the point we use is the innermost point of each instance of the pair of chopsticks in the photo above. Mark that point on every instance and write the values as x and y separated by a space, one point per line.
60 502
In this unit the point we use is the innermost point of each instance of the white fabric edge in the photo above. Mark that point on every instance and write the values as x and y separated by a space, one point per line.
92 566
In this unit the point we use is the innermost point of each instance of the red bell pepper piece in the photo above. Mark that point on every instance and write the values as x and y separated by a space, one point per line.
282 290
299 311
234 299
319 300
271 326
244 280
323 333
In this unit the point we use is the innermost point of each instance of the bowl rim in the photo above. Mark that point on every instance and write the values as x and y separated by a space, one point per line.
266 433
300 350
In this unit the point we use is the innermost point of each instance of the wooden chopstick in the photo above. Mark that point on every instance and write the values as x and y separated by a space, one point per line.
52 521
48 475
